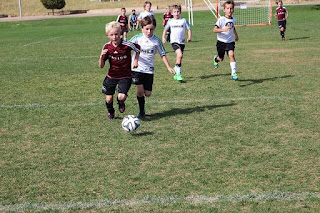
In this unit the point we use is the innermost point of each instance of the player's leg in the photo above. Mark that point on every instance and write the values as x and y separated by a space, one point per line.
108 88
221 51
178 48
123 88
233 65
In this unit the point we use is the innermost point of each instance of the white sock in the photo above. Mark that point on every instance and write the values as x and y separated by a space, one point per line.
177 70
233 66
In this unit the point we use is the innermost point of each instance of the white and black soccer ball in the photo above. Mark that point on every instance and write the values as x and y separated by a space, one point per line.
130 123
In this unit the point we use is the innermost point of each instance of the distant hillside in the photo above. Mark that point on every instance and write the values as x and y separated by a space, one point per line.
35 7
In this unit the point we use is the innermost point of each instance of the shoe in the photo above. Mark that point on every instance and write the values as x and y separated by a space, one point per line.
214 63
141 114
234 76
110 116
122 107
283 38
178 77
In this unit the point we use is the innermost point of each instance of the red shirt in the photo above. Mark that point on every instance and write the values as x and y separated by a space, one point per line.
123 20
166 17
119 59
281 13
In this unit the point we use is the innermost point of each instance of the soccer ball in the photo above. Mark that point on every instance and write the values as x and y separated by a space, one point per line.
130 123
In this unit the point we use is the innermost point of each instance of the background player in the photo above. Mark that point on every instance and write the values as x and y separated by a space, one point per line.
177 26
123 20
166 16
147 12
143 75
226 35
133 20
118 53
282 15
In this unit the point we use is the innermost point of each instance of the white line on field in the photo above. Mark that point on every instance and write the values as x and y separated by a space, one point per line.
37 42
186 101
275 196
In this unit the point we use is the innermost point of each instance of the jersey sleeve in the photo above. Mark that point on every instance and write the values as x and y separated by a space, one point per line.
167 25
160 48
118 18
187 25
106 56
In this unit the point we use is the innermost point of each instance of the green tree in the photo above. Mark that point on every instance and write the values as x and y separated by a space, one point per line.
53 4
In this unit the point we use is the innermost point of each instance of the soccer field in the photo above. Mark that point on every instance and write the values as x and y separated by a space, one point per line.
210 144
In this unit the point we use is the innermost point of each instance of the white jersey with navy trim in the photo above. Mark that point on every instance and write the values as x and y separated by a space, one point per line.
148 48
223 22
177 28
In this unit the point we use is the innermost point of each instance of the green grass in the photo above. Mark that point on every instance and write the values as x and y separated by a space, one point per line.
210 144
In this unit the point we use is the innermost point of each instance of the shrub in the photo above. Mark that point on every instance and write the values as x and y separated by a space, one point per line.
53 4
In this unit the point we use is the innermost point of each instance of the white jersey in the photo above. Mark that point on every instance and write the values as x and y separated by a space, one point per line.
145 14
148 49
177 30
223 22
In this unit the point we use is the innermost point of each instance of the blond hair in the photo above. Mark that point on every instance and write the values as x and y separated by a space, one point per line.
176 6
111 25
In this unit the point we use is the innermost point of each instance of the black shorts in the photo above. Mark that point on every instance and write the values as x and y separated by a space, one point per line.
222 48
282 24
145 79
124 31
176 46
109 86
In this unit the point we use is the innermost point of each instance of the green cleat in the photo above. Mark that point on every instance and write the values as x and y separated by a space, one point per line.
214 63
178 77
234 76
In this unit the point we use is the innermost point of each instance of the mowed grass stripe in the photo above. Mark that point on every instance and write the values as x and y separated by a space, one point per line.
151 200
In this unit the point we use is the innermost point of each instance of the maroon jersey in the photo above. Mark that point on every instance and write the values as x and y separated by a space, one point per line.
166 17
281 13
123 20
119 59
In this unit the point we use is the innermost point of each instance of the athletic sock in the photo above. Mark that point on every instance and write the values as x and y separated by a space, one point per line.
110 107
141 101
178 69
233 66
282 33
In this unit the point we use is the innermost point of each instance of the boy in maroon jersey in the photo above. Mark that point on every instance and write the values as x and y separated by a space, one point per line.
123 20
282 14
166 17
118 53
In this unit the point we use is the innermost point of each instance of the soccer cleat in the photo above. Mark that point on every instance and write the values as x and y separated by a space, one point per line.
214 63
178 77
234 76
122 107
141 114
283 38
110 116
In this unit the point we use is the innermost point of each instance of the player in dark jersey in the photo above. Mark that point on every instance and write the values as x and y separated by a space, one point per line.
123 20
118 53
282 15
166 17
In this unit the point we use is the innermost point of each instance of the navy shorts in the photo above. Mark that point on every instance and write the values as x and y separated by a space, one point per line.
109 86
222 48
145 79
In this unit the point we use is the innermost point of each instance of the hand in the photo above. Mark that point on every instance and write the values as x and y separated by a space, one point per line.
164 40
171 70
135 64
189 40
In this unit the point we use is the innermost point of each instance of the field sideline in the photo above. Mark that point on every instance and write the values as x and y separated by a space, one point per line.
209 144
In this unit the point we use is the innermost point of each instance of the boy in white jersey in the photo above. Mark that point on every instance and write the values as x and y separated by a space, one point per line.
147 12
177 27
226 35
143 75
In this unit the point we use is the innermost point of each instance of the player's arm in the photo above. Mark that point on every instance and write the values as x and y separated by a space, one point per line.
166 62
287 14
189 35
236 37
129 23
102 58
216 29
164 36
136 59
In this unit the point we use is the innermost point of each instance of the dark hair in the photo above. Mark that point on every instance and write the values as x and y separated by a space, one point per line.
148 20
228 2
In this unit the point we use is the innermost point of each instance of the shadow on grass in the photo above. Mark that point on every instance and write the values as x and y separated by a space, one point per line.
316 7
259 81
214 75
183 111
138 134
291 39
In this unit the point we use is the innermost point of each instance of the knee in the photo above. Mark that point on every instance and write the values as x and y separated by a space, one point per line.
147 93
122 97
